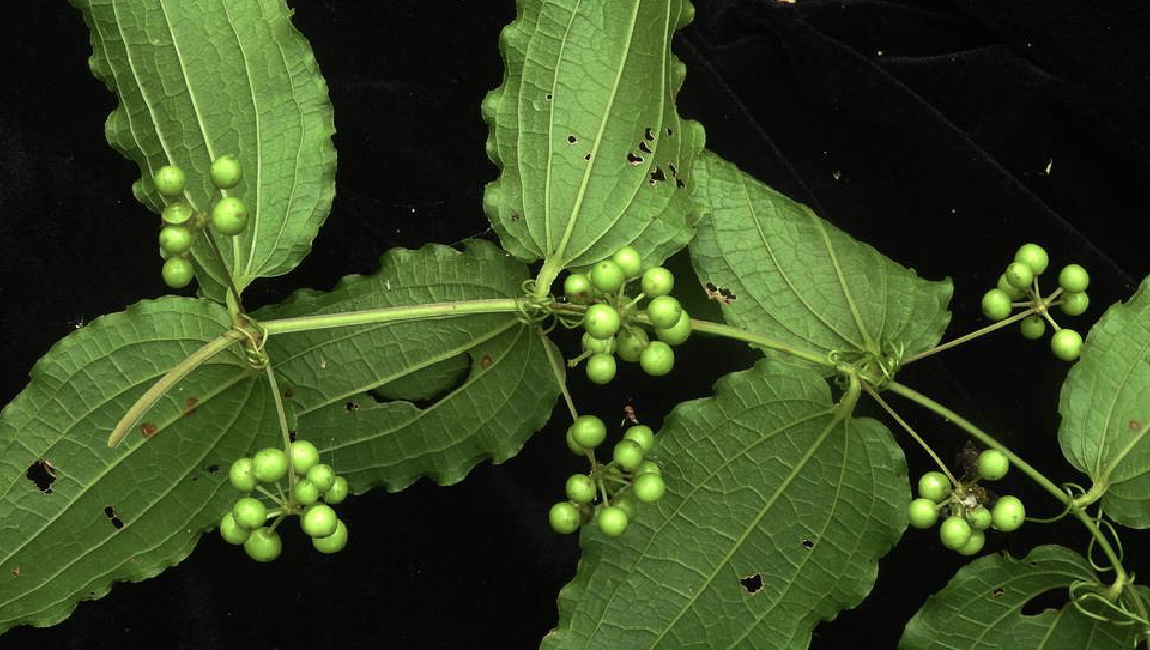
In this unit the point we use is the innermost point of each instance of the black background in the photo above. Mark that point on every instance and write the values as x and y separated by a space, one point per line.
943 133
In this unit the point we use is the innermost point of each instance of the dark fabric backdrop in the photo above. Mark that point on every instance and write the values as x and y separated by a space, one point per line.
943 133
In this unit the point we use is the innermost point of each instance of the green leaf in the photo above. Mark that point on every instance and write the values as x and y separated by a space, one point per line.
125 513
584 129
1105 413
341 376
799 279
981 608
775 516
201 78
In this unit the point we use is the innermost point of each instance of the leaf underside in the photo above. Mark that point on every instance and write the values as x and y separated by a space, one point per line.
799 279
774 519
198 79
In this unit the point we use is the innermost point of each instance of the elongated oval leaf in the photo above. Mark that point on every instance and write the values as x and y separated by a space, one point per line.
775 517
341 377
981 608
203 78
1105 408
76 515
592 152
797 278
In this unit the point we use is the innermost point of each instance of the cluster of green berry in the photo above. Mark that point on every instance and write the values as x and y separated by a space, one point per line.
180 223
967 516
311 481
1020 281
622 483
609 320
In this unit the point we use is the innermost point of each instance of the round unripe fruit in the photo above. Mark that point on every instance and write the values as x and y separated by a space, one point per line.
641 434
598 346
564 518
992 465
612 520
923 513
334 542
647 467
269 465
601 368
1033 327
177 272
627 504
934 486
1014 294
588 431
337 492
175 240
240 475
304 456
664 312
630 343
264 545
319 520
954 532
169 180
177 213
1073 279
225 172
628 454
1066 344
1019 275
577 288
305 492
657 281
232 532
996 304
628 260
322 475
648 488
1008 514
678 333
1074 304
973 544
580 488
606 276
230 216
657 359
601 321
979 518
574 446
249 513
1033 256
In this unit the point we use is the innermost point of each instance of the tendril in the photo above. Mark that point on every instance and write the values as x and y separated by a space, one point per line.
536 310
255 338
1070 490
1104 527
1087 599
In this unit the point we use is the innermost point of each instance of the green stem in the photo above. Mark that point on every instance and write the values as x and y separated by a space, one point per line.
560 375
922 443
283 427
547 274
968 337
727 331
1059 494
392 314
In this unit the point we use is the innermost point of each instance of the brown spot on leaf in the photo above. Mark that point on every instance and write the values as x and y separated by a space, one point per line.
213 469
16 571
485 361
289 393
752 583
42 475
1134 425
190 405
148 429
998 591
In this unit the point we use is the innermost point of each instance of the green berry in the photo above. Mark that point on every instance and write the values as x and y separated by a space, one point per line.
648 487
304 456
601 368
175 240
334 542
588 431
607 276
178 272
630 343
954 532
322 475
934 486
628 260
232 532
240 475
319 520
973 544
647 467
249 513
1008 514
601 321
612 520
923 513
657 281
1073 279
664 312
598 346
992 465
979 518
269 465
337 492
657 359
1033 327
577 288
564 518
678 333
177 213
1019 275
1066 344
628 454
169 180
230 216
1014 294
264 545
305 492
580 488
1033 256
641 434
628 505
225 172
1074 304
575 447
996 304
